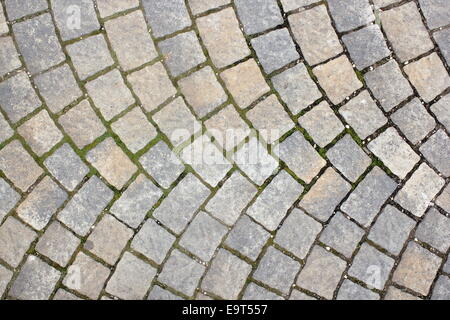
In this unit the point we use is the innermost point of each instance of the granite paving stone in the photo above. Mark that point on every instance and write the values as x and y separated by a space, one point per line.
200 6
443 200
5 277
437 151
110 7
255 292
352 291
157 293
8 198
441 289
17 9
435 12
442 40
6 131
351 14
258 15
396 294
9 57
440 109
435 230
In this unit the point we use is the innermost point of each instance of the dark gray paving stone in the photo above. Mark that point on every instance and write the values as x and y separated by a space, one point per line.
166 16
437 151
436 12
17 9
258 15
435 230
441 289
350 14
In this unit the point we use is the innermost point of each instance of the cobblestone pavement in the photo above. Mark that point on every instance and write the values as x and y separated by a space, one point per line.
104 106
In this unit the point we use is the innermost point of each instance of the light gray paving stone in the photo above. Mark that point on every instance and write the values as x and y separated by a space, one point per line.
183 201
296 88
383 3
396 294
131 279
18 166
110 94
418 192
298 233
86 276
110 7
63 295
5 277
366 46
405 30
277 270
414 121
315 35
17 97
226 44
202 91
322 124
247 237
272 204
435 230
255 161
388 85
258 15
342 235
366 200
90 56
58 244
255 292
3 26
442 40
351 14
440 109
231 199
321 273
8 198
112 163
226 276
166 16
157 293
39 206
199 6
371 267
443 200
289 5
182 53
275 49
437 151
270 119
441 289
391 230
153 241
203 236
181 273
417 269
9 57
436 13
349 158
36 280
300 157
136 201
300 296
83 209
17 9
352 291
395 153
130 40
5 130
38 44
324 197
40 132
82 124
15 240
67 167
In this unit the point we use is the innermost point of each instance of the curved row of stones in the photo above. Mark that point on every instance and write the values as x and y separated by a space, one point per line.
350 199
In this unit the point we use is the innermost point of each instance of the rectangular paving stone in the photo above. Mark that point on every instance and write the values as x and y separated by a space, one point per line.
418 192
36 280
245 83
18 166
417 269
277 270
6 131
298 233
153 241
17 97
40 205
5 277
131 279
269 213
351 14
177 209
203 236
435 230
442 40
58 244
436 13
17 9
321 273
40 132
9 57
181 273
258 15
110 7
342 235
110 94
82 124
325 195
388 85
166 16
391 230
227 275
315 35
199 6
351 291
83 209
300 157
441 112
247 237
131 40
15 240
365 202
254 292
405 31
226 44
437 151
441 289
349 158
395 153
8 198
38 44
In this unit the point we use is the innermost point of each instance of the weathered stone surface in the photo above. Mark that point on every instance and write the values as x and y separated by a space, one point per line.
166 16
157 293
63 295
435 230
19 8
9 57
351 14
396 294
351 291
5 277
442 39
436 13
437 151
255 292
440 109
5 130
199 6
110 7
441 289
289 5
443 200
8 198
258 15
